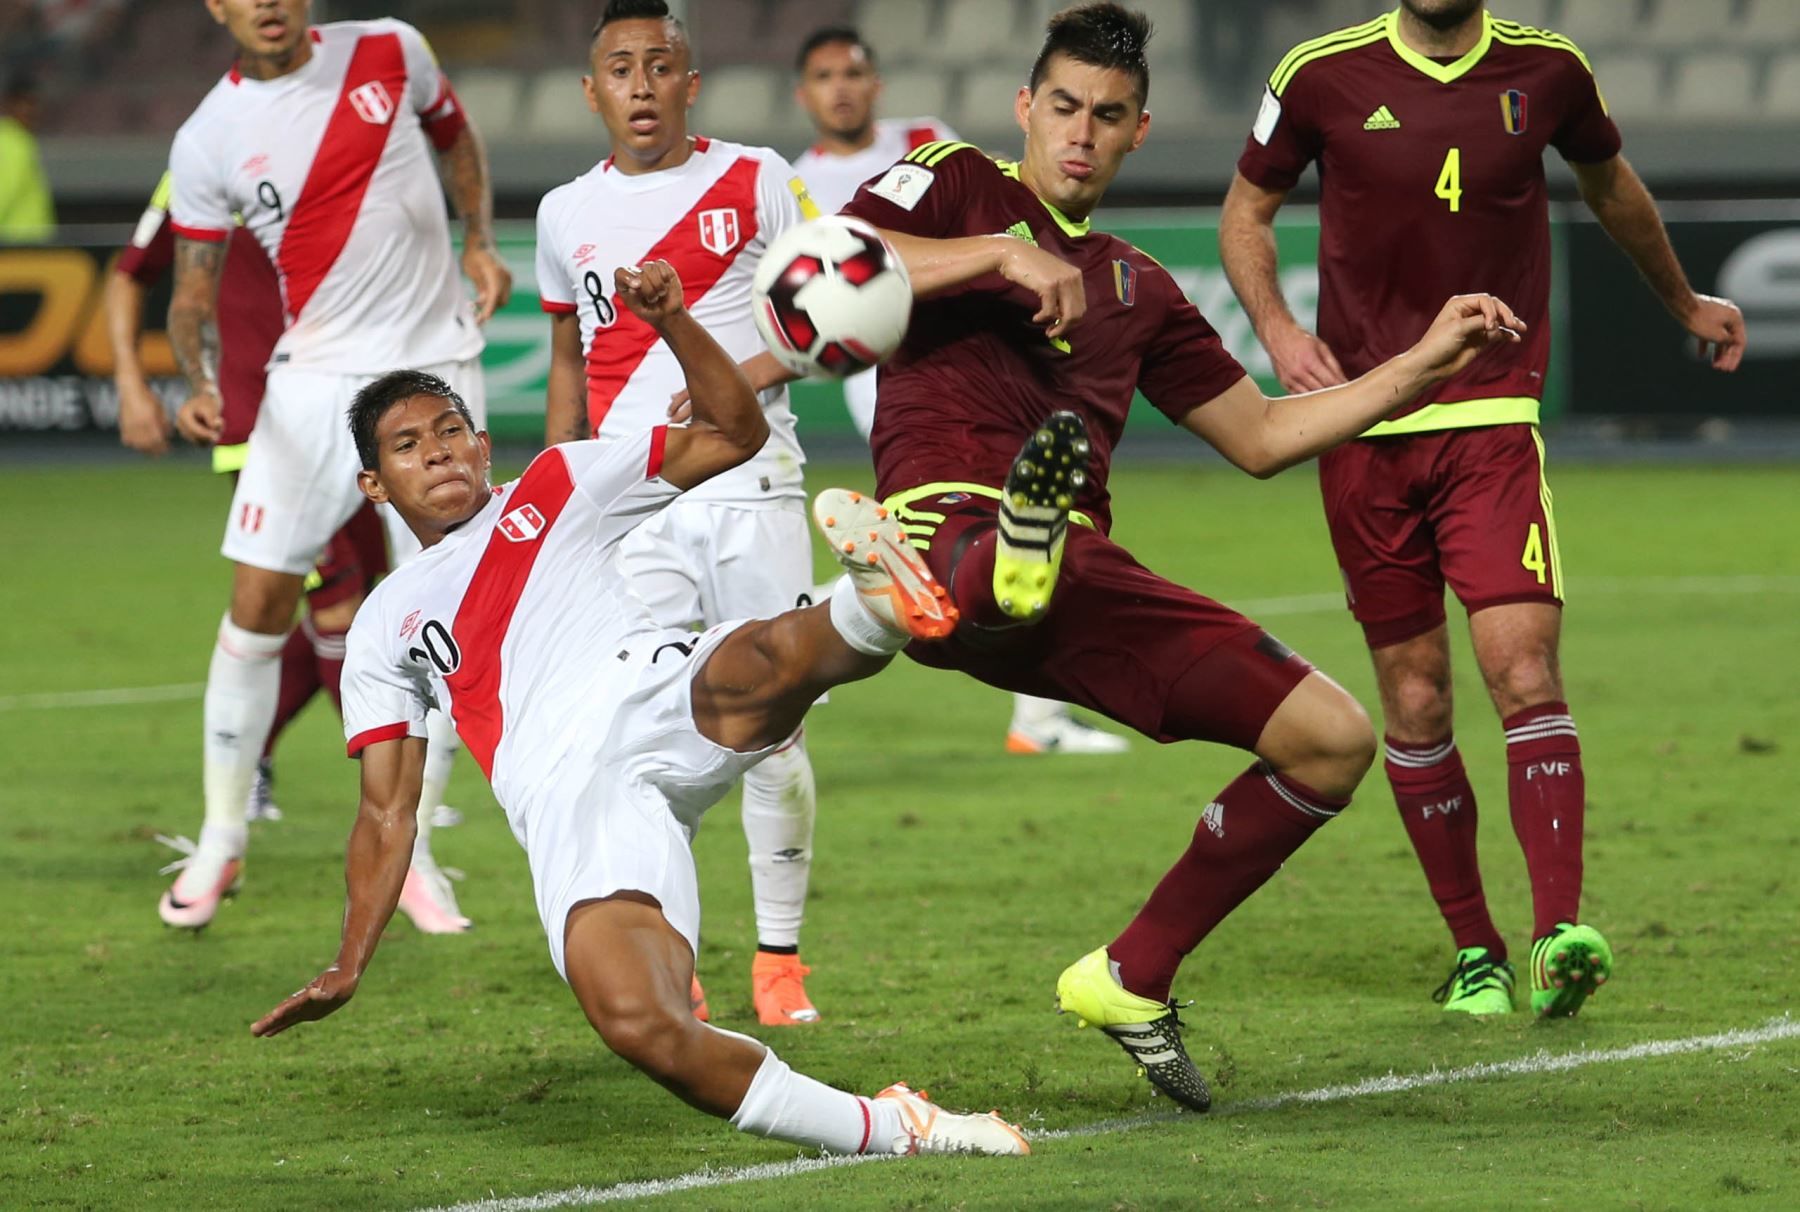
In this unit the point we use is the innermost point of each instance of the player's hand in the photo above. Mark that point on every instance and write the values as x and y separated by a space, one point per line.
201 420
143 421
1718 325
1062 299
1302 362
493 281
652 291
328 993
1468 326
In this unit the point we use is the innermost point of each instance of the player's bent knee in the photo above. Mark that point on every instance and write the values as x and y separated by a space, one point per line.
1322 737
650 1037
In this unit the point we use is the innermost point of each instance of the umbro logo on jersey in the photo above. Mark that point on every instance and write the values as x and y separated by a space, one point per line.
522 525
256 165
372 103
1214 818
410 624
584 254
1382 119
719 230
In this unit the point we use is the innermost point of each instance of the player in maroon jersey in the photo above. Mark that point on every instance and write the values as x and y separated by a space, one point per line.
250 322
1429 125
1030 327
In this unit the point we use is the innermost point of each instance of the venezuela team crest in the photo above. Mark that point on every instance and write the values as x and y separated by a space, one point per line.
1125 282
1512 111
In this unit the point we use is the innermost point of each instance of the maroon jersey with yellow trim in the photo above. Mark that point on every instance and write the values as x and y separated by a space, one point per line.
1431 180
975 376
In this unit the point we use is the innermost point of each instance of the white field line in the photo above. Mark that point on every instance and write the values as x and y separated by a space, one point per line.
1540 1062
1300 603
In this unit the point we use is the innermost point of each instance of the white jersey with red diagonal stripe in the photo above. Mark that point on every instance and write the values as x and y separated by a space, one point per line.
833 180
710 217
331 169
511 623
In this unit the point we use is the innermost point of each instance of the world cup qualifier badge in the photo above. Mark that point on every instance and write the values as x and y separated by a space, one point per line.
1512 111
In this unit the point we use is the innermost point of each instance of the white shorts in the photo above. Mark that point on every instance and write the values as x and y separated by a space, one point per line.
859 399
298 485
697 563
624 821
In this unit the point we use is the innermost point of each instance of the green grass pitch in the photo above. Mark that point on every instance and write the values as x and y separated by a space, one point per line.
951 885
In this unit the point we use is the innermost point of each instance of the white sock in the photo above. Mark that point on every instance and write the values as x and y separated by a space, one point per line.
242 687
779 805
440 758
1032 712
859 626
793 1107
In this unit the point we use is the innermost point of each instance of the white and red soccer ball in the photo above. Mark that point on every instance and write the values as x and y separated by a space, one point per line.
831 297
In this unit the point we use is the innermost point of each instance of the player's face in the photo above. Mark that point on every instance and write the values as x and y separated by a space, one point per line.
1079 126
266 29
1443 14
642 87
838 87
432 466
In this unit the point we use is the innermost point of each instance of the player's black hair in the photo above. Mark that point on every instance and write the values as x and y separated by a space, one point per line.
832 35
392 389
1099 35
637 10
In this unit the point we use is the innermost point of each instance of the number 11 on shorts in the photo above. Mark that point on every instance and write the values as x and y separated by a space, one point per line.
1533 559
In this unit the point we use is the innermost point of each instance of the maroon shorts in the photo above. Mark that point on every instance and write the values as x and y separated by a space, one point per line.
1118 639
1467 507
354 560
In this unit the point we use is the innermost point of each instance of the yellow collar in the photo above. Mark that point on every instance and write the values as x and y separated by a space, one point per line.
1070 226
1442 73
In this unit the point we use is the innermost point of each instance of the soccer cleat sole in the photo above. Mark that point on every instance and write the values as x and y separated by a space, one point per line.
1567 970
1034 515
887 569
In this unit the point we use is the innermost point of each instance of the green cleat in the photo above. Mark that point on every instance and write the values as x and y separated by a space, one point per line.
1034 515
1479 984
1150 1032
1568 966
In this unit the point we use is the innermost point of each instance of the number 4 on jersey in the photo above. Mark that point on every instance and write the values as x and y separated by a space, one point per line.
1449 182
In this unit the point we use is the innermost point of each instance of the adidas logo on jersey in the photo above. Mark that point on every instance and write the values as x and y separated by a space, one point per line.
1214 818
1382 119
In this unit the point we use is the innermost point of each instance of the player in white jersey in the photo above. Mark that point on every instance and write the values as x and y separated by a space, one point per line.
318 141
605 735
738 545
838 87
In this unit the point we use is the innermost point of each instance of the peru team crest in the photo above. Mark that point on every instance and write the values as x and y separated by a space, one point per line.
372 103
1512 111
719 230
522 525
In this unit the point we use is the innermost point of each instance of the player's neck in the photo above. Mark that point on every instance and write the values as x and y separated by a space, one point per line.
273 67
831 143
675 157
1441 43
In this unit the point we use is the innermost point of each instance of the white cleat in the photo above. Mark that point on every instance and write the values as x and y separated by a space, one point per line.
430 902
261 806
886 569
208 876
1065 733
935 1130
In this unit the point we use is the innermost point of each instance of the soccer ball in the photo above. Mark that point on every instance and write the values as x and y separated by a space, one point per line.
831 297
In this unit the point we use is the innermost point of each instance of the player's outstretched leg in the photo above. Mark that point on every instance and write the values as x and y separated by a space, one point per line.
1034 515
631 971
1568 966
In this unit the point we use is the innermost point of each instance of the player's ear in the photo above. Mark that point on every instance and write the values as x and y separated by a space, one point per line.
1143 129
590 89
487 448
370 483
693 87
1022 108
217 9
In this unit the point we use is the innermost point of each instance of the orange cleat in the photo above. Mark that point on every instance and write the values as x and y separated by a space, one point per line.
778 983
888 571
697 1001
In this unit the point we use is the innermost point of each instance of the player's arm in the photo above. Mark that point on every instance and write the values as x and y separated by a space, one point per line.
194 331
143 421
471 190
938 265
1619 199
565 405
728 426
380 851
1247 247
1264 436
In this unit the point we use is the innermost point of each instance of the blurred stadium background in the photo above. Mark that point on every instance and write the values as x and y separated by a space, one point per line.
1706 91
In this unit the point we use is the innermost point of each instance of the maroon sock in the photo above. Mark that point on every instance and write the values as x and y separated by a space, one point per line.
1549 802
328 660
299 682
1242 839
1437 805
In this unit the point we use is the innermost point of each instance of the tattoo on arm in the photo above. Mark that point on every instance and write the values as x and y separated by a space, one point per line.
471 193
193 312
